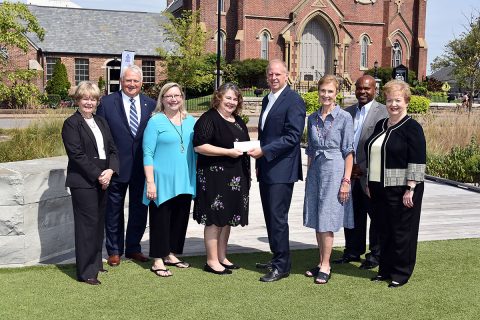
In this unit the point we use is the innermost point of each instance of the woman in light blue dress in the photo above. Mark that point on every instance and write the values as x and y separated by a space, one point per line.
169 163
328 206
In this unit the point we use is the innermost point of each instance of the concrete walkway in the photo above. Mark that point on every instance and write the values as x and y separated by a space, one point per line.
448 213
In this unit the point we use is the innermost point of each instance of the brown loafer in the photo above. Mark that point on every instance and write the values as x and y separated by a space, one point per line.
113 260
137 256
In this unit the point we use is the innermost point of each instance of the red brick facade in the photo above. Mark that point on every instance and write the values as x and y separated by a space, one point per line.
342 22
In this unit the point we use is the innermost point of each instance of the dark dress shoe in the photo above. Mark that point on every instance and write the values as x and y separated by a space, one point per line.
103 270
274 275
113 260
379 278
260 265
93 281
137 256
367 265
395 284
346 259
207 268
232 266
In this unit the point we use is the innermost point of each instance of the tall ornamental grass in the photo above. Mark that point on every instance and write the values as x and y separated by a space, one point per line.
42 139
453 145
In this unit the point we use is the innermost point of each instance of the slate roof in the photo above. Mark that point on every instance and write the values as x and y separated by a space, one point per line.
93 31
443 74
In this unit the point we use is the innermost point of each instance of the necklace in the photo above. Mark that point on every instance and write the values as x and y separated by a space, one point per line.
180 134
90 122
323 132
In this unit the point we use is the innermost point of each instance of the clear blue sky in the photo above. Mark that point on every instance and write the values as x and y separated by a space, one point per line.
445 18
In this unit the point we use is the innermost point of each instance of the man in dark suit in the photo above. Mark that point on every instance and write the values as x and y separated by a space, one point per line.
278 164
127 112
366 113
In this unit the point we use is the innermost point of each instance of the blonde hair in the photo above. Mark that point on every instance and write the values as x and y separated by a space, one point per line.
222 90
397 85
86 89
161 107
329 78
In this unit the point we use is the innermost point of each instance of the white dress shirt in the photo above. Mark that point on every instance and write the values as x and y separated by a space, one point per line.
126 105
360 117
272 97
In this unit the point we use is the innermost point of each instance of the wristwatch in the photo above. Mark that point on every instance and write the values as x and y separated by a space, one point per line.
410 188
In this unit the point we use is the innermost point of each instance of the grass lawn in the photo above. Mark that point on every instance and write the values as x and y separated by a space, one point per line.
443 287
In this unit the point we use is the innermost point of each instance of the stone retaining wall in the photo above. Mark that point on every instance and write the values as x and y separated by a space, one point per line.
36 218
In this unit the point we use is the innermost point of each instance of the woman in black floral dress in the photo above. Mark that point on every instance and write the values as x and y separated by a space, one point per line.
223 175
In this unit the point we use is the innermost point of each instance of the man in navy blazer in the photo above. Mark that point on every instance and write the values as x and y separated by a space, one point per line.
278 164
127 112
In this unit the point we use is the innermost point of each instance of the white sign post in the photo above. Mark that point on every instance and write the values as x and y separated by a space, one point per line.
128 58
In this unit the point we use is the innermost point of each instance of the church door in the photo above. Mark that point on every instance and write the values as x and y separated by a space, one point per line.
316 50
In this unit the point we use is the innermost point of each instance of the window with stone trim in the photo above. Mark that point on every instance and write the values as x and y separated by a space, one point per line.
50 63
222 42
222 5
82 72
364 43
264 45
148 69
397 54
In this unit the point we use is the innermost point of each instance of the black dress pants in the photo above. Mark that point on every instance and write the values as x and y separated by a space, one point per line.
89 220
168 225
355 239
398 229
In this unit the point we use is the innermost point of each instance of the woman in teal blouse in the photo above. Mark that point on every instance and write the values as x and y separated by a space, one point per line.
169 162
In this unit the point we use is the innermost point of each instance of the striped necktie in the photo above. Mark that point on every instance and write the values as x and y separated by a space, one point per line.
133 117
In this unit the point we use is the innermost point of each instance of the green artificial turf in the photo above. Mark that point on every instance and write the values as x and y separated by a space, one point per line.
445 285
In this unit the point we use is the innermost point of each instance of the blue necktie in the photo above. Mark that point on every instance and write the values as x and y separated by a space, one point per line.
133 117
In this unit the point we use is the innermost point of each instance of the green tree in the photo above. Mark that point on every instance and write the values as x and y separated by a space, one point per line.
17 88
187 62
463 54
16 21
59 83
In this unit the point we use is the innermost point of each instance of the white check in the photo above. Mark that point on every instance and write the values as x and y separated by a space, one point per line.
244 146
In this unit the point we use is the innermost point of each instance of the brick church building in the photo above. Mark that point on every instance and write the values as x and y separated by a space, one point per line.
316 37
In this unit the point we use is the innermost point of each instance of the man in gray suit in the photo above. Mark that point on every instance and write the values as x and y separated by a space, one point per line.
366 113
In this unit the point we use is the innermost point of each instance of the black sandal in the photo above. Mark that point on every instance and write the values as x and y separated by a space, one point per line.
177 264
322 276
312 272
157 272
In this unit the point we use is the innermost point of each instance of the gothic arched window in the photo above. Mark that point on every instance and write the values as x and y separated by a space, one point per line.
364 43
264 48
396 54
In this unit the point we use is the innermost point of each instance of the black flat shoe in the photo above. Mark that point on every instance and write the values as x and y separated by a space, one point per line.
395 284
232 266
93 282
207 268
379 278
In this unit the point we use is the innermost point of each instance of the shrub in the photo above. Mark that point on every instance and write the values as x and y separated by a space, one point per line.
101 84
385 74
418 104
312 104
19 91
59 83
251 72
460 164
245 118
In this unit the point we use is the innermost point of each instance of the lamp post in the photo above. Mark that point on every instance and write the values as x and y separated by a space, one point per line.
219 25
335 65
377 80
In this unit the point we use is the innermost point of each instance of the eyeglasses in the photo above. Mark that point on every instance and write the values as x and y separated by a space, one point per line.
173 96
